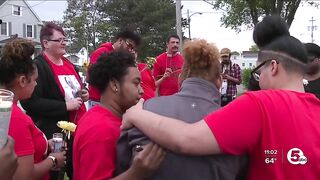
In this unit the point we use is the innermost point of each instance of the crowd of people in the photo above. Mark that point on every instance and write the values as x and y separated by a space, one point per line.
180 119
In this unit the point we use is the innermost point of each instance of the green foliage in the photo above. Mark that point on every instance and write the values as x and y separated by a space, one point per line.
89 23
153 19
244 14
254 48
246 77
85 24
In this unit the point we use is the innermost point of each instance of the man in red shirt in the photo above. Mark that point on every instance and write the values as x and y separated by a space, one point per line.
125 40
167 68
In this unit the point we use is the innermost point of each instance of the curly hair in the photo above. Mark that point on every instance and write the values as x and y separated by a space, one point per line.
111 66
16 60
128 34
201 60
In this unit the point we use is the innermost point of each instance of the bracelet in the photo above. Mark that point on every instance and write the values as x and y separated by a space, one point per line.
54 160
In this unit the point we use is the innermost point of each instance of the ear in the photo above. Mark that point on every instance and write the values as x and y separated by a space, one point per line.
45 43
22 81
274 67
115 85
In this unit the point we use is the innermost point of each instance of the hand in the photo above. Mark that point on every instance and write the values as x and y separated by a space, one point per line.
61 158
131 113
146 162
226 76
167 73
8 159
84 95
74 104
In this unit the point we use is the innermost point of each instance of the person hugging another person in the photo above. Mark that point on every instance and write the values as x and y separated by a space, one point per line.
277 127
97 133
198 96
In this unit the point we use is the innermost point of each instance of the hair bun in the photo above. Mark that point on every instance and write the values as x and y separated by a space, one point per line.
269 29
18 48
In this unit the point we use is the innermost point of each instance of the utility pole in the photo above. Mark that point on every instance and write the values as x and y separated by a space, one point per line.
178 21
189 20
312 28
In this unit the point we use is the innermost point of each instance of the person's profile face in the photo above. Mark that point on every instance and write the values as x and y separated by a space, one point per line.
130 88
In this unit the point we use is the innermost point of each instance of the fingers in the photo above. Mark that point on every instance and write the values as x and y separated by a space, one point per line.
10 143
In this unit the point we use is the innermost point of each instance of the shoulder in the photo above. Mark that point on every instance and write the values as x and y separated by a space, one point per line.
161 56
235 65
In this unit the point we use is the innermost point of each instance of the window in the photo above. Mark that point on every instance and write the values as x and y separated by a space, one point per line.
4 29
250 64
16 10
243 64
29 30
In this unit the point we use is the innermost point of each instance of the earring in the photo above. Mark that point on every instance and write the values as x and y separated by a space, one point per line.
116 89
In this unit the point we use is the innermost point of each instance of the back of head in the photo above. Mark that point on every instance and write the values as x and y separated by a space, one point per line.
129 34
313 49
273 38
270 28
201 60
16 60
111 66
314 64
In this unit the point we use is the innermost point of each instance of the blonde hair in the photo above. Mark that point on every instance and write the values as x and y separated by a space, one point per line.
202 59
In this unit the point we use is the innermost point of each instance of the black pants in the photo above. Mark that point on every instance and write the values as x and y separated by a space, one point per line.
226 100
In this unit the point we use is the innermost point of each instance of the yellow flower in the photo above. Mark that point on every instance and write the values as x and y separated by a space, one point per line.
67 126
150 61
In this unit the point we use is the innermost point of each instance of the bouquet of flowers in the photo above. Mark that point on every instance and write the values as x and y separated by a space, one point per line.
67 127
150 61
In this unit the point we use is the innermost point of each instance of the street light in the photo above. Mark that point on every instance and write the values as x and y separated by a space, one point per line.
189 20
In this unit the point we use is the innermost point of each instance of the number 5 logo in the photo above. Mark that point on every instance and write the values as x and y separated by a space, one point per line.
295 156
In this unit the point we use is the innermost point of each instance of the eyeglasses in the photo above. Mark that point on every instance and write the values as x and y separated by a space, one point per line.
256 73
60 40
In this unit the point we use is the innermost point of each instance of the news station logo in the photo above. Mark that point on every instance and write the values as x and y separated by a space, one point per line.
295 156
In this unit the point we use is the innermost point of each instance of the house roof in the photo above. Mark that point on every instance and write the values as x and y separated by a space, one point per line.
29 7
2 1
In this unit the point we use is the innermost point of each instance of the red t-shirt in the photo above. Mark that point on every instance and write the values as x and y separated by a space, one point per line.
94 93
278 129
170 85
29 140
147 81
69 83
94 147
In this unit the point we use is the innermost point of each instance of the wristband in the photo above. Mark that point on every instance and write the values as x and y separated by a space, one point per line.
54 160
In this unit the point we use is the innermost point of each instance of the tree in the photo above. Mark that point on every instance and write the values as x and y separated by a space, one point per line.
85 24
254 48
246 73
154 20
246 13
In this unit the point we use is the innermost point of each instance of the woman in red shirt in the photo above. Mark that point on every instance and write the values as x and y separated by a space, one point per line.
18 74
278 127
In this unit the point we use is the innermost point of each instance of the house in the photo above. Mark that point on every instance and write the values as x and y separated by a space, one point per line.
19 21
246 59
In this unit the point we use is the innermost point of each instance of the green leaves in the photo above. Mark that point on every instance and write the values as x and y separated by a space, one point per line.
244 14
92 22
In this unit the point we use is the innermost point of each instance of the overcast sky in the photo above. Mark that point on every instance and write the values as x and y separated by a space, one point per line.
207 25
